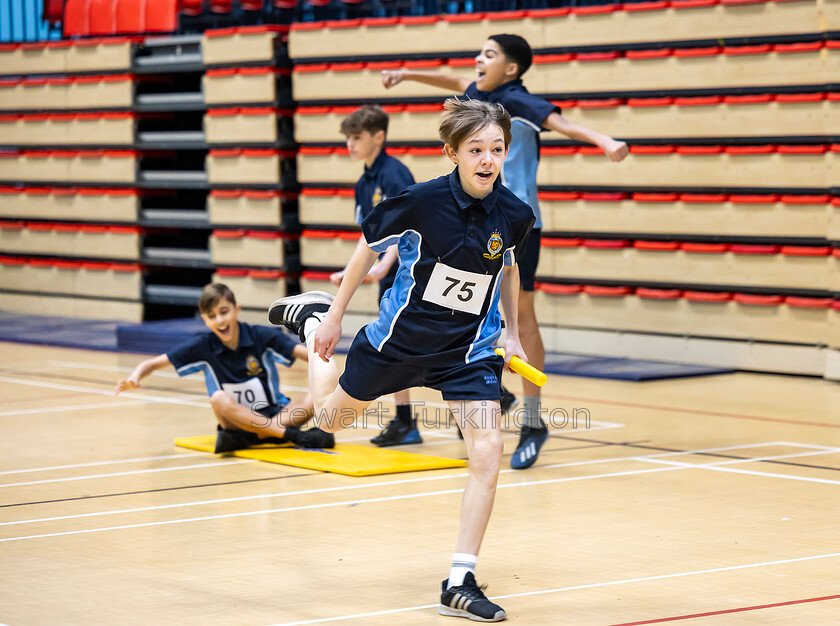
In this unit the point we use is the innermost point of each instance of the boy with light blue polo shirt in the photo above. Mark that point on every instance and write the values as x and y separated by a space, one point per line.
499 67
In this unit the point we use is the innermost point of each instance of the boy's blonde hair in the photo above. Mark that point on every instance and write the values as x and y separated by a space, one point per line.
369 117
462 118
212 294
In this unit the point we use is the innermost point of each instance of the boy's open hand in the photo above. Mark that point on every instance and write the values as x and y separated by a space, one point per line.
336 278
126 384
616 150
391 78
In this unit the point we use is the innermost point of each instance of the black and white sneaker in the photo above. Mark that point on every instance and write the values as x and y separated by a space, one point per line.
468 600
293 311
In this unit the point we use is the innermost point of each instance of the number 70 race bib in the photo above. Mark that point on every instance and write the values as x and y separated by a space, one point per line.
457 289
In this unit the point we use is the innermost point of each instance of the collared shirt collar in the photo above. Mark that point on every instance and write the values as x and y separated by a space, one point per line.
516 82
378 162
465 200
245 340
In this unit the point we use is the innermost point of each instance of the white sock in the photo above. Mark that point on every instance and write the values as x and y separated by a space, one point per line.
461 564
310 325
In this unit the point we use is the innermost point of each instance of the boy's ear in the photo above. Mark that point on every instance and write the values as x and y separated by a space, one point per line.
379 137
450 152
511 70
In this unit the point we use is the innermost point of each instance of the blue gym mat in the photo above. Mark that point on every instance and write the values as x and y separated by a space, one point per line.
588 366
65 332
157 337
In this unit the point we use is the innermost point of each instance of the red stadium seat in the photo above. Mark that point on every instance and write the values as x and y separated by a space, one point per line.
131 16
102 17
161 16
192 8
221 7
76 18
251 5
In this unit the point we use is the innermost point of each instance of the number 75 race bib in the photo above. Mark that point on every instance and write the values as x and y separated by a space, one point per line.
457 289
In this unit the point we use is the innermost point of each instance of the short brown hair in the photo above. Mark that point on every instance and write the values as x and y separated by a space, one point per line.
462 118
212 294
369 117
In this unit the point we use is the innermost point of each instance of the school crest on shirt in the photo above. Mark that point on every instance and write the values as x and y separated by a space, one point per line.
494 246
253 365
378 196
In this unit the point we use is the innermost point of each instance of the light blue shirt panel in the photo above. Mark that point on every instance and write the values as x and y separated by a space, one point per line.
520 169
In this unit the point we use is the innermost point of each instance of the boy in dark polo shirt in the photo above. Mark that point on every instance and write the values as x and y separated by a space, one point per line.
458 237
499 68
239 363
384 177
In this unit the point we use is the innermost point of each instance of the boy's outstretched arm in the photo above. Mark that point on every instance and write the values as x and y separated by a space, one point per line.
140 372
452 82
614 149
329 332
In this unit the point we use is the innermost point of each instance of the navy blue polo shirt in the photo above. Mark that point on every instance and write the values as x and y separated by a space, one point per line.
527 113
443 307
249 373
386 178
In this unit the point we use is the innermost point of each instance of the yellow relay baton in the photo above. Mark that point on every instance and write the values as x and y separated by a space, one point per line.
524 369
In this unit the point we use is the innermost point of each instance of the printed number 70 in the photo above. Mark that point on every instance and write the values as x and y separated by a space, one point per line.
464 294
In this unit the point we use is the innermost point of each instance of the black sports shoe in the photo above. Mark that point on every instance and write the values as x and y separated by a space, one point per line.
398 433
528 449
230 440
508 401
312 438
468 600
292 311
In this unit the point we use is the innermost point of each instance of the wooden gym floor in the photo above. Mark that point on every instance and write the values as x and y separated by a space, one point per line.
706 501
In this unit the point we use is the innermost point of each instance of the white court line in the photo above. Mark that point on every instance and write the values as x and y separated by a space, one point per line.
121 369
79 407
717 468
101 392
95 463
145 471
333 504
389 483
611 583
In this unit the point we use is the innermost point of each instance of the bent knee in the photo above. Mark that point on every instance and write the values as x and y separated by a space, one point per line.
220 398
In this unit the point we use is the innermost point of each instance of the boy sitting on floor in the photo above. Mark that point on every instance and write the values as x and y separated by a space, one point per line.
239 362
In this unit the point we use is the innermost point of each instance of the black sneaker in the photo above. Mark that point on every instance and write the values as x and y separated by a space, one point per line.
293 311
229 440
508 401
468 600
528 449
398 433
312 438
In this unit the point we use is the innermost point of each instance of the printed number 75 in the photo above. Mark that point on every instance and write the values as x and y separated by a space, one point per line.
464 294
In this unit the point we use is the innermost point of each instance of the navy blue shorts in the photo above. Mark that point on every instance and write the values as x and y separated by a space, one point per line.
272 409
529 259
369 374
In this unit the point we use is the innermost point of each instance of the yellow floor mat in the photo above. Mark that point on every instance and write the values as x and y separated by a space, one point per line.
345 458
